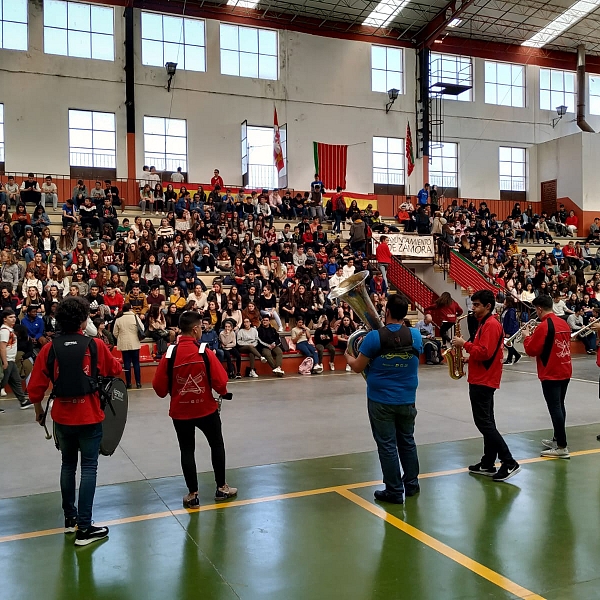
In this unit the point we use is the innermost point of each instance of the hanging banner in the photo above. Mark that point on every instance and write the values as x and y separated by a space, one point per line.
416 246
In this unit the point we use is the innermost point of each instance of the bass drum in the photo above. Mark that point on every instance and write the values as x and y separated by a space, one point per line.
115 415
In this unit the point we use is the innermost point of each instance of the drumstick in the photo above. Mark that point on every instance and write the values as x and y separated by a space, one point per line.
42 419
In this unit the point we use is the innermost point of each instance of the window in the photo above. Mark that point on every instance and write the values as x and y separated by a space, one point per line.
249 52
445 68
92 139
443 170
173 39
262 172
512 169
388 161
165 143
504 84
594 87
79 30
13 24
386 69
557 88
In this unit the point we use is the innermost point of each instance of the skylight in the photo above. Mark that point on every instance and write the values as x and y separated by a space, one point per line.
243 3
385 12
562 23
455 23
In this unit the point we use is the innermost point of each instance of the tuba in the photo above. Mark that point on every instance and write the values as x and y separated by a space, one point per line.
454 356
354 292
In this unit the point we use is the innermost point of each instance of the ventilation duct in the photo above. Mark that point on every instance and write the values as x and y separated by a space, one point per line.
581 104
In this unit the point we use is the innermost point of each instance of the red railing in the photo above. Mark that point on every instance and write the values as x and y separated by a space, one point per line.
466 274
417 291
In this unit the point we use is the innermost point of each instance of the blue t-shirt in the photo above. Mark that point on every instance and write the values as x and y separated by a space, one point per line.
386 384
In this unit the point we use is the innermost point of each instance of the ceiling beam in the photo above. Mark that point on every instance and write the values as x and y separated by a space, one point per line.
428 34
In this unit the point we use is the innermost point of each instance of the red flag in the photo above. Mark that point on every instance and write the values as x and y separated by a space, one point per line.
277 151
410 157
330 164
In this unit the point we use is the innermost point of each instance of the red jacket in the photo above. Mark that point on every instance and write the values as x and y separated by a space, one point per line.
73 411
191 398
383 254
482 348
445 313
559 365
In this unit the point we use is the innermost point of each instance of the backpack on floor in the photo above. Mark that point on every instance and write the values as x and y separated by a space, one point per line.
306 366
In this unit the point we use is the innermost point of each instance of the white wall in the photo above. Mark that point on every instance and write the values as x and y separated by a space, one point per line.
323 94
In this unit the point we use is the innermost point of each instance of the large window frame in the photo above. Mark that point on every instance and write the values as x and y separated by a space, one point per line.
557 88
451 68
443 170
388 161
387 69
79 30
165 143
167 38
249 52
504 84
594 94
14 30
512 169
92 139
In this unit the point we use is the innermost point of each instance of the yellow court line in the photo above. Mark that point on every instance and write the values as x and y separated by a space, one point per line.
445 550
262 499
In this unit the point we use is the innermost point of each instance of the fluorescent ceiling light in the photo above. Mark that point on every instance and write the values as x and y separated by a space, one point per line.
385 12
562 23
455 23
243 3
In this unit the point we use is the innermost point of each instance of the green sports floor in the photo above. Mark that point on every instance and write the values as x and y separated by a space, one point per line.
310 529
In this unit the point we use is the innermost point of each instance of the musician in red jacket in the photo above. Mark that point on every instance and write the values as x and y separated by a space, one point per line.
76 411
189 372
550 343
485 371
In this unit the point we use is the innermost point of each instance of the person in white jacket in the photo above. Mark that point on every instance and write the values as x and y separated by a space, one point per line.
247 341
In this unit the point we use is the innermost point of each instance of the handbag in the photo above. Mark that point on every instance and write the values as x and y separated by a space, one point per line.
140 330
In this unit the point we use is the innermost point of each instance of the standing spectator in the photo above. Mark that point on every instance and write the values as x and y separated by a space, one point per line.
8 354
49 192
358 234
30 190
217 180
423 195
125 330
177 177
384 256
338 204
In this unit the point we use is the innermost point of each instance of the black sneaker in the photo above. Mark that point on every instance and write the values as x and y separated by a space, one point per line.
517 359
70 524
2 410
479 469
506 472
92 534
191 501
411 491
25 405
225 492
138 386
385 496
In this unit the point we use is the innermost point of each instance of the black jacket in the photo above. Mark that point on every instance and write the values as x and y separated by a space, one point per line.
269 335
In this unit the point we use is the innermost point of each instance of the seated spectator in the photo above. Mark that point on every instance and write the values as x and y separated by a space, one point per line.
302 338
69 213
34 325
112 193
247 341
270 346
267 304
20 220
177 299
28 244
431 346
227 339
572 223
252 314
11 190
324 341
343 331
49 192
137 300
157 330
30 190
233 314
214 315
378 285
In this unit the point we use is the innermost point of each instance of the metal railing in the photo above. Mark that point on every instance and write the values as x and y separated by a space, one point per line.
412 286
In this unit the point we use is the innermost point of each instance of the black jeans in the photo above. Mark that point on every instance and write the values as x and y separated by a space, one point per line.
482 405
210 426
554 394
512 354
131 357
233 352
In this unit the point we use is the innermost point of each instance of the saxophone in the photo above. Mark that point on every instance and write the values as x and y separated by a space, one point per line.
454 356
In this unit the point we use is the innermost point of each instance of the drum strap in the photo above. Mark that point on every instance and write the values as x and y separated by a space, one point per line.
548 343
171 355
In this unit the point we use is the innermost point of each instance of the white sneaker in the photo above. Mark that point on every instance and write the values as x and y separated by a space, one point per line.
253 374
331 366
348 368
549 443
263 359
556 453
281 330
3 392
319 368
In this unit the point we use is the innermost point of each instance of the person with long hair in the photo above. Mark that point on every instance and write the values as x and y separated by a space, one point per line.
228 343
446 311
510 324
157 330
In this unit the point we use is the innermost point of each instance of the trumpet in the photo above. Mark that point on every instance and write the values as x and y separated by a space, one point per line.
584 329
508 342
